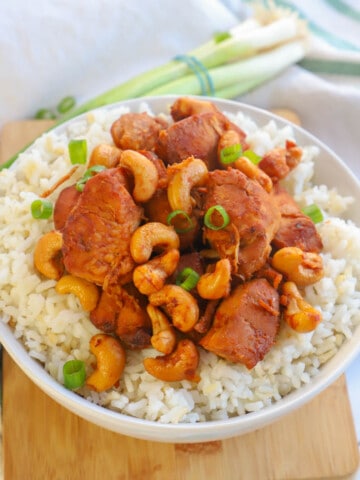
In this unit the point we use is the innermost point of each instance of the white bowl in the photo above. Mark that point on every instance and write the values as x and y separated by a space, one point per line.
331 171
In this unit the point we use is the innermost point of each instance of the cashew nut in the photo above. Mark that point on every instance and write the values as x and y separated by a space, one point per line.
183 177
303 268
145 174
179 304
149 236
106 155
110 362
47 255
163 338
253 172
299 314
151 276
216 284
178 365
87 292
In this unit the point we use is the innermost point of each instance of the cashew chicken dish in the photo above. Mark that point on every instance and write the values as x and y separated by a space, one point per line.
181 262
176 238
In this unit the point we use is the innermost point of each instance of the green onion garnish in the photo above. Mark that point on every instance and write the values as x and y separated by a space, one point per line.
314 212
78 151
187 279
208 218
221 36
44 114
74 374
80 184
41 209
252 156
65 104
189 225
230 154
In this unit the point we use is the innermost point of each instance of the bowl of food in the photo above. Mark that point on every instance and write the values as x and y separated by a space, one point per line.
180 269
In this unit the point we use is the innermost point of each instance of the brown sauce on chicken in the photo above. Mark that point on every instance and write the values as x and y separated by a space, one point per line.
98 226
97 231
253 215
245 323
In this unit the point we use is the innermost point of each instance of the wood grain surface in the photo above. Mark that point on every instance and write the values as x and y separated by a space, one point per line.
42 440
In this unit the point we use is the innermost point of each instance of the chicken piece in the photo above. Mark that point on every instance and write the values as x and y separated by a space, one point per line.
245 324
191 260
65 202
133 324
123 313
197 135
96 236
159 165
270 274
205 320
186 106
278 162
137 131
254 219
69 196
296 229
105 313
158 208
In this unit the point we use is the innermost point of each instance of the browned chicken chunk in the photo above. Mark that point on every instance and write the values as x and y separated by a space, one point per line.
158 208
136 131
278 162
97 233
133 325
245 324
296 229
65 202
254 219
198 136
186 106
120 312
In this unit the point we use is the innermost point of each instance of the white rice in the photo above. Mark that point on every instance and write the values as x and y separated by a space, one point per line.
55 329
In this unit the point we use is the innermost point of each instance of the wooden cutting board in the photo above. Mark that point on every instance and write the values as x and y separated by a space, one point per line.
42 440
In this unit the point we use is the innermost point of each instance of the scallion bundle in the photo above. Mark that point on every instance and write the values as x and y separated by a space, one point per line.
248 55
228 65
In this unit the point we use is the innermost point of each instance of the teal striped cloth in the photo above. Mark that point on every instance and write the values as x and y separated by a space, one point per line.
323 88
335 29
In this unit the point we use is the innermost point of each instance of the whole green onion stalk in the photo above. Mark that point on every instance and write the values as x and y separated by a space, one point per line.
254 52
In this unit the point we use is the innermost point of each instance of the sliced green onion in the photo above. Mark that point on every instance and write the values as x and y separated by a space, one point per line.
187 279
78 151
74 374
230 154
252 156
41 209
66 104
44 114
216 209
314 212
93 170
80 184
221 36
178 214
